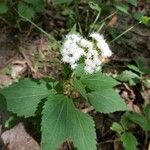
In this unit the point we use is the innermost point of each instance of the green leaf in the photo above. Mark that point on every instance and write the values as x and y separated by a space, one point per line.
129 76
80 88
117 127
142 66
26 10
140 120
98 81
134 68
146 83
129 141
73 29
138 15
93 5
145 20
125 121
23 97
3 8
38 5
61 121
79 71
133 2
122 7
106 101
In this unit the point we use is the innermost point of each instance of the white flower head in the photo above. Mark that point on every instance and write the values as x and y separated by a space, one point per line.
86 43
92 62
71 52
76 47
101 44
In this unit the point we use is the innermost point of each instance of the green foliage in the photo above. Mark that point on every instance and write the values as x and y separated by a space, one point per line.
129 76
37 5
3 8
94 6
122 7
26 10
133 2
142 120
29 8
135 74
97 88
3 104
117 128
80 88
129 141
127 120
106 101
98 81
61 121
23 97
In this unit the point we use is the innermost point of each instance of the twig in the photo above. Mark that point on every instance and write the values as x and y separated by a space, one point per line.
44 32
123 33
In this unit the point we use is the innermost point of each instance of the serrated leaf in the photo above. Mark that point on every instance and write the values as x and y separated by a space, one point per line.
129 141
98 81
117 127
3 8
23 97
106 101
26 11
61 121
80 88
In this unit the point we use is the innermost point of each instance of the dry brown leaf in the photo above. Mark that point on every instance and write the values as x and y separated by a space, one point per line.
113 21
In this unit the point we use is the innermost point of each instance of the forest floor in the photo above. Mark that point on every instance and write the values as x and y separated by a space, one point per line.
29 54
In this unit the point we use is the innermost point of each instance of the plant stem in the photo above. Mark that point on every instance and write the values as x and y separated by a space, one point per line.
77 15
95 21
127 30
44 32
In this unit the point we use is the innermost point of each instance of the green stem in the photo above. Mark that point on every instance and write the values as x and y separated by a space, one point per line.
95 21
123 33
77 15
40 29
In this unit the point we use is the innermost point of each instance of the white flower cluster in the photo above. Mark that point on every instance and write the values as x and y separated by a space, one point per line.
71 51
101 44
75 47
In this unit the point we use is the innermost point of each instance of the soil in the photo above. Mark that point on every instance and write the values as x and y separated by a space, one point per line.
33 56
